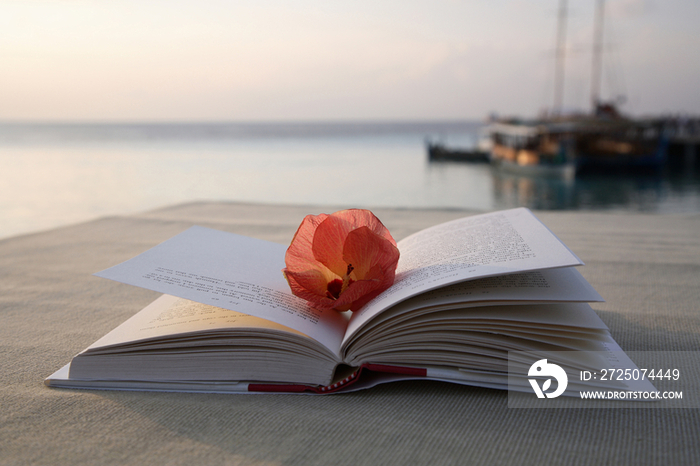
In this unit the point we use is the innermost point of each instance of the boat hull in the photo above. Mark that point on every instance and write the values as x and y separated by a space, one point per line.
438 152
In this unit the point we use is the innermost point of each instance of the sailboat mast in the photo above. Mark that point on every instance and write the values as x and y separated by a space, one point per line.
559 62
596 68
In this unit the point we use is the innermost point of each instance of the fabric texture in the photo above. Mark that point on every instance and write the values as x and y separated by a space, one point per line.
646 266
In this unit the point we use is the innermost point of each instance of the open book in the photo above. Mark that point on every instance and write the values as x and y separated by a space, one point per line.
467 292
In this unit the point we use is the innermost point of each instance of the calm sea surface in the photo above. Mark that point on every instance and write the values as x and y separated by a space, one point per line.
53 175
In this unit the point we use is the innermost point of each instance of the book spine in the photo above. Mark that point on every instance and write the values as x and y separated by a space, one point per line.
340 385
289 388
414 371
279 388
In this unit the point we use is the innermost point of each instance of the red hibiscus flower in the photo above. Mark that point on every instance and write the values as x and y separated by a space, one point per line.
341 261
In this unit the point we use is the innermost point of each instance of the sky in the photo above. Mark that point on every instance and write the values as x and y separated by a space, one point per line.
281 60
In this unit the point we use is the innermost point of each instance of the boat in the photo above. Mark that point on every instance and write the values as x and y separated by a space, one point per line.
619 143
538 148
439 152
562 145
565 146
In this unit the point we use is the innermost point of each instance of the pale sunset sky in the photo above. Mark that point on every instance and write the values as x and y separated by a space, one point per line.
260 60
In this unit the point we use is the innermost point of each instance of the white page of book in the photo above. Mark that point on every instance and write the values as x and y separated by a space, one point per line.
550 285
169 315
231 271
497 243
559 317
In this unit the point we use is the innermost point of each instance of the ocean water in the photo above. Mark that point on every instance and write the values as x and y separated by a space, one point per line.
57 174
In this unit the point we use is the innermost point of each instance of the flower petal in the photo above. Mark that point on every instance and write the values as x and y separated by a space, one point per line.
358 294
364 218
299 256
328 242
311 286
365 250
330 236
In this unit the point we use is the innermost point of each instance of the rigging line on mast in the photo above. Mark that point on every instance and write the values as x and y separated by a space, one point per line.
596 67
613 69
560 58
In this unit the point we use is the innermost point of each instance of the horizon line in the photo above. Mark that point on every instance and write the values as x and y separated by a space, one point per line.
237 121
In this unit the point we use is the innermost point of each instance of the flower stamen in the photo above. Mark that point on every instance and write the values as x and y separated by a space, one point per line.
337 286
346 279
334 288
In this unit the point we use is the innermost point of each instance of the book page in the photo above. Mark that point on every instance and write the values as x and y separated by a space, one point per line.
539 286
233 272
549 285
169 315
178 339
422 340
486 245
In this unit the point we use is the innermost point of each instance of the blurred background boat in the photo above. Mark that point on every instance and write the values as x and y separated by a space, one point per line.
540 148
560 145
480 153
